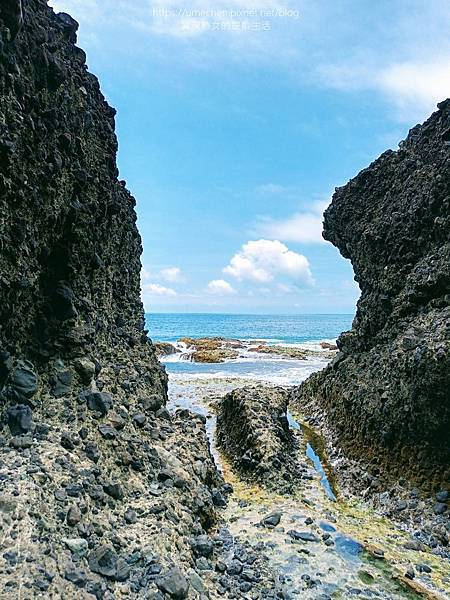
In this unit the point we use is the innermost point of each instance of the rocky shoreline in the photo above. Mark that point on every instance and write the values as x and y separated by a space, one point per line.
112 485
218 350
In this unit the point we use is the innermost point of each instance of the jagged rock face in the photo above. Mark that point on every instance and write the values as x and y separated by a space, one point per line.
70 249
101 487
387 395
253 432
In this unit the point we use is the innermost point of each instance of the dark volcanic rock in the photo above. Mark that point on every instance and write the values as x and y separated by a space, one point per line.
253 431
19 419
63 283
386 395
72 343
174 583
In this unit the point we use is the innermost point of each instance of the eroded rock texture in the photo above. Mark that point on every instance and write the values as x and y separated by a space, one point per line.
102 489
387 395
253 432
64 214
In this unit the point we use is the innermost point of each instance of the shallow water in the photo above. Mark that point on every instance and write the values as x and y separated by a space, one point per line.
344 568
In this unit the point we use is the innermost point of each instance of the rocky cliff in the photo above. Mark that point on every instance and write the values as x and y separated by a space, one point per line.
104 493
387 394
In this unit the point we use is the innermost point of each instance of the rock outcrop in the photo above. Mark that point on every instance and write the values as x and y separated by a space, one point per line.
102 489
387 394
254 434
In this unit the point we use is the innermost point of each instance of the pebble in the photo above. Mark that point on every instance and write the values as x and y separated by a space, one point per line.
272 520
304 536
73 516
174 583
19 419
442 496
77 546
100 402
107 432
439 508
202 546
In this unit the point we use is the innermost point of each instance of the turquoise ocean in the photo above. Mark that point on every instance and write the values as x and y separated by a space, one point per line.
303 331
290 329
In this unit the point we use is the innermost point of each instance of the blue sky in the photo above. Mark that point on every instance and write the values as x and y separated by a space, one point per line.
236 121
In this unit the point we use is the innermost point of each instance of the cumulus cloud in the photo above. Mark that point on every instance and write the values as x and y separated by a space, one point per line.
220 287
302 227
155 289
171 274
262 260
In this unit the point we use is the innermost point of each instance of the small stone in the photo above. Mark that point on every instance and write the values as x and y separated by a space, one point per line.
60 494
114 490
174 583
85 369
401 505
130 516
304 536
151 403
108 432
67 441
23 381
272 520
73 516
75 576
196 582
442 496
92 452
100 402
74 490
62 384
77 546
103 560
439 508
234 568
217 498
410 573
117 421
19 419
422 568
139 419
202 546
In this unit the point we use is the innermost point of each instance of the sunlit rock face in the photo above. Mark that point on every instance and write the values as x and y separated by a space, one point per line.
387 395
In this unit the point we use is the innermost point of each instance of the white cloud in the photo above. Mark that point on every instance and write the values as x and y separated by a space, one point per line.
414 87
262 260
220 287
171 274
155 289
418 83
302 227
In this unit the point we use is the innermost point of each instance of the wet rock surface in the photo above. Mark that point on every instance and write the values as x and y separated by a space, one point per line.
386 395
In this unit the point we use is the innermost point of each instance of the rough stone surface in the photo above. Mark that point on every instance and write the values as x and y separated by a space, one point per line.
253 432
387 394
85 437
